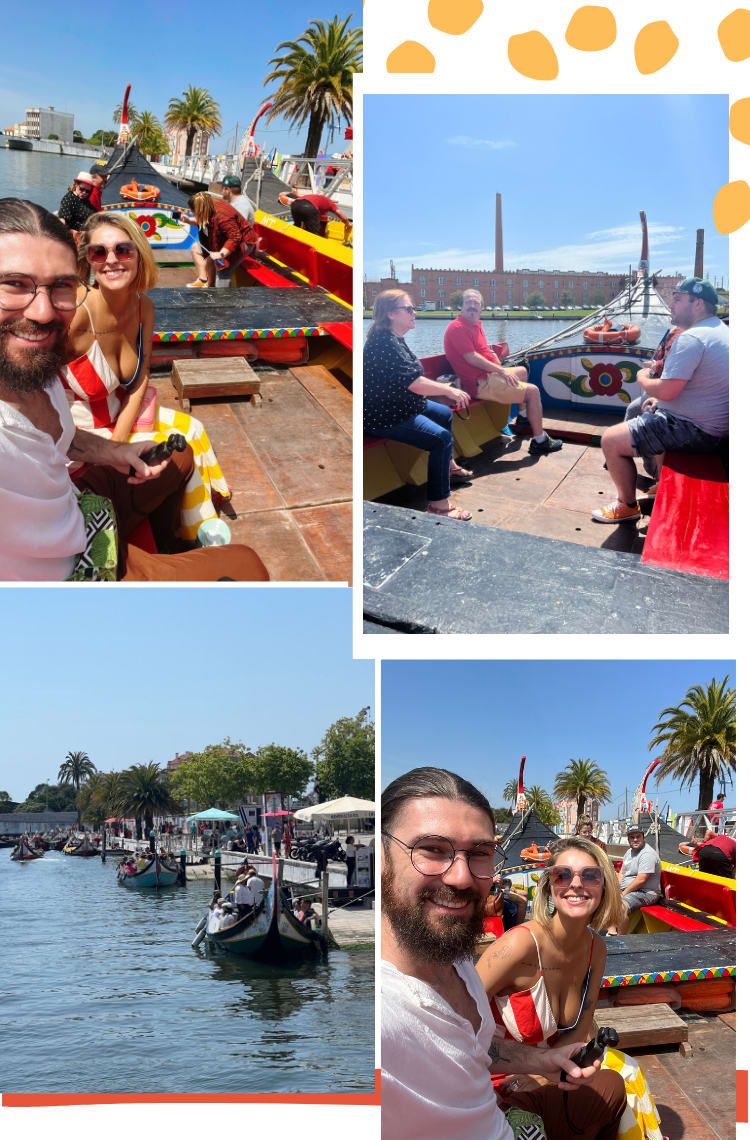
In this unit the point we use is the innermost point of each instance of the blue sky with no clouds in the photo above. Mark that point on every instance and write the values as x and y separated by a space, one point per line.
80 58
574 171
130 676
478 718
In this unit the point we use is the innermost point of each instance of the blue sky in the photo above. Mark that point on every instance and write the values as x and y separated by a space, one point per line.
131 676
574 171
79 59
478 718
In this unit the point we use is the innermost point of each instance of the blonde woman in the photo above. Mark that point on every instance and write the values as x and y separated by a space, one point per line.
397 404
543 979
226 237
109 356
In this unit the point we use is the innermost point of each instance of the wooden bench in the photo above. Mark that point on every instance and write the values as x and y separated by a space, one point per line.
689 527
215 379
674 919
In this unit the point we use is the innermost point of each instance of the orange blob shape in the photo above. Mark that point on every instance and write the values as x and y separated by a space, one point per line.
739 120
734 35
410 56
454 16
655 45
533 55
732 207
591 29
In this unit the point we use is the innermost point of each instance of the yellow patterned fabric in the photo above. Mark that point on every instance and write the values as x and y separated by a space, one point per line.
640 1120
207 476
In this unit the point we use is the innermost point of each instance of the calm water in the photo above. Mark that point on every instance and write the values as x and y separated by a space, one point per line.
427 338
41 178
101 983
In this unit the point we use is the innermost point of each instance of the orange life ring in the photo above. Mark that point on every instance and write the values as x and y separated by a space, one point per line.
605 334
139 192
536 855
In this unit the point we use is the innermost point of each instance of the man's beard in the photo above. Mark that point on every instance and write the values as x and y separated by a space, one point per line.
450 939
38 368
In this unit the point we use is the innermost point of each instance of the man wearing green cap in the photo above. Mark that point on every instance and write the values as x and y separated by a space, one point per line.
231 192
685 409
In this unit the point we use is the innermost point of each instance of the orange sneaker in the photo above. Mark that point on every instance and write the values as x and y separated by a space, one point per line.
616 512
197 284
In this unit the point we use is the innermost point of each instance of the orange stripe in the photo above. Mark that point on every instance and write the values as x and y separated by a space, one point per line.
742 1096
18 1100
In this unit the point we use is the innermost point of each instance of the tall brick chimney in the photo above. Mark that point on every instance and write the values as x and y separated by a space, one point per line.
499 233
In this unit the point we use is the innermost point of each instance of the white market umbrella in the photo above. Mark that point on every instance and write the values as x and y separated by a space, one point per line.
345 806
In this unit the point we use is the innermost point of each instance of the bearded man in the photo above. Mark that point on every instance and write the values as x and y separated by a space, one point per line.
43 528
437 1029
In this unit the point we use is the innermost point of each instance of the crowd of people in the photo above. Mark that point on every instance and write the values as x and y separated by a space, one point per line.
684 406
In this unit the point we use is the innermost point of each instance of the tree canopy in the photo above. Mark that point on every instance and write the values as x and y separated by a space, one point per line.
345 758
49 797
75 769
582 780
315 78
284 770
219 776
699 736
196 111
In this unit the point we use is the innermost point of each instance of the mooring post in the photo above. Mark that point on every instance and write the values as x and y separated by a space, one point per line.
183 867
104 844
217 869
324 902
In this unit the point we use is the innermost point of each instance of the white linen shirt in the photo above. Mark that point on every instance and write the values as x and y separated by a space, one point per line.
41 524
435 1069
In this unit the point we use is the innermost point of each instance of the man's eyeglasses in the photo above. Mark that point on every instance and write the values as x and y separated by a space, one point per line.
406 309
123 251
17 291
563 876
434 855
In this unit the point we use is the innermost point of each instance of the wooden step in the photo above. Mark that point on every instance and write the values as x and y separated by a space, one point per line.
643 1025
214 379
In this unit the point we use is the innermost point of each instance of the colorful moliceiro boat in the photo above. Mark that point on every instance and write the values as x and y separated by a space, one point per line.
80 847
23 852
584 366
156 874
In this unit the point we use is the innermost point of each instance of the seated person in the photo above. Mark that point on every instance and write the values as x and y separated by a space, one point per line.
484 377
640 879
44 533
144 859
506 902
305 912
76 207
243 898
228 917
585 829
396 403
129 866
255 886
685 409
715 855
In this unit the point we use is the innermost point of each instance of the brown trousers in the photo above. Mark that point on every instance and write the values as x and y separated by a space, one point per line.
159 501
594 1109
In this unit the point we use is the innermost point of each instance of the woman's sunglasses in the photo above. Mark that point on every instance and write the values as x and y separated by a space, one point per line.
563 876
123 251
406 309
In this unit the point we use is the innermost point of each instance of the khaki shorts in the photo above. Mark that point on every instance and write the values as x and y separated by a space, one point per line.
497 389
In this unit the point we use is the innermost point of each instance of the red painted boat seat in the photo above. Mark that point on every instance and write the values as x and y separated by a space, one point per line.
674 919
689 527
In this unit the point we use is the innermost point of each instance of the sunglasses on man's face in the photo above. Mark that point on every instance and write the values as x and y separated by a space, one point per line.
98 254
563 876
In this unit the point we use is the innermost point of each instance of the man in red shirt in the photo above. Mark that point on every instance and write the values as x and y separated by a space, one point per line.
483 376
310 211
716 855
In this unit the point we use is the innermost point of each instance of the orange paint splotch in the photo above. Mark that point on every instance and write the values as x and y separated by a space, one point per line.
533 55
739 120
734 35
655 45
454 16
591 28
410 56
732 207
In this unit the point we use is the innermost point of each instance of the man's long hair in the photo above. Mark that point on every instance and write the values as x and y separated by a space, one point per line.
17 216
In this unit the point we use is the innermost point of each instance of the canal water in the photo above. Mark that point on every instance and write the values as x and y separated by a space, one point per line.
426 339
102 993
40 177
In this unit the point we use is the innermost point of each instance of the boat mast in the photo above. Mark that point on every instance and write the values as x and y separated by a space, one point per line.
520 797
124 136
643 263
698 269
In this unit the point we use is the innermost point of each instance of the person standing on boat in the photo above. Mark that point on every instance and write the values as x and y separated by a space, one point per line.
75 208
640 878
483 376
231 192
255 886
310 211
225 236
242 897
684 409
438 1042
397 402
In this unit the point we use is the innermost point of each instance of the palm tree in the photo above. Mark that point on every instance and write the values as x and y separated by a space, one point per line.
582 780
146 793
148 135
700 738
510 792
117 113
198 111
75 769
315 78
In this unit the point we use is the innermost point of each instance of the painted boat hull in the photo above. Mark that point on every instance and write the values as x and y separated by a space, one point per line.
163 225
249 936
588 377
152 878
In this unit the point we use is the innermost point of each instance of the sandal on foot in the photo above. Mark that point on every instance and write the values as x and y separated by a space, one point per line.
450 512
457 472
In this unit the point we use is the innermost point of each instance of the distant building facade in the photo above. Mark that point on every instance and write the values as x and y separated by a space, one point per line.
178 142
41 122
568 810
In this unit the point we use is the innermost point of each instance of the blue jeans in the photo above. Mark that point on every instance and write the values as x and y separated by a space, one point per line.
431 432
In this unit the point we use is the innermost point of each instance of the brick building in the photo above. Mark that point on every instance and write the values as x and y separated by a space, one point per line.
501 288
568 810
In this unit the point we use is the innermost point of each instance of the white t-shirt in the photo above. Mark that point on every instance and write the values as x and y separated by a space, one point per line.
243 205
42 524
255 889
435 1068
351 851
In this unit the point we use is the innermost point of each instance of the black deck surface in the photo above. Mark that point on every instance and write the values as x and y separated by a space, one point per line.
423 574
520 833
673 950
209 310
